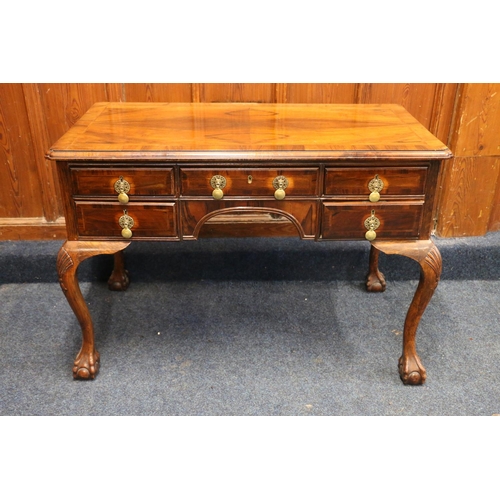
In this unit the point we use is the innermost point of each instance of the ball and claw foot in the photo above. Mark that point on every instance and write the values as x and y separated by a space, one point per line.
86 365
411 370
118 281
375 282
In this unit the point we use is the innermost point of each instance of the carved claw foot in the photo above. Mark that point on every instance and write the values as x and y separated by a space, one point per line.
411 370
119 280
375 282
86 365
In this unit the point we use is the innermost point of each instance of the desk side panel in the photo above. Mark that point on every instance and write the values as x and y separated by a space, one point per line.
64 175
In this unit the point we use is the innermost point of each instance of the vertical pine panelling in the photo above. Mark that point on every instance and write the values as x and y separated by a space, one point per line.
417 98
280 93
20 193
494 223
237 92
331 93
49 184
115 92
157 92
477 130
469 185
469 201
64 103
442 112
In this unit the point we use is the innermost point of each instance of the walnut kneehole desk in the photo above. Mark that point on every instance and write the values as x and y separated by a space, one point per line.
177 171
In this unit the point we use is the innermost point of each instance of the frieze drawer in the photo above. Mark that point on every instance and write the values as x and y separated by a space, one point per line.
143 181
111 220
250 182
386 181
353 220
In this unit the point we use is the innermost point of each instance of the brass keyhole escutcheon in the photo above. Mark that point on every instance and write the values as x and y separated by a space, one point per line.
122 187
218 182
126 222
280 183
371 223
375 186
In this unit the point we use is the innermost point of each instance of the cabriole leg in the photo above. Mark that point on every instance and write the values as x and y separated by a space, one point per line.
411 369
71 254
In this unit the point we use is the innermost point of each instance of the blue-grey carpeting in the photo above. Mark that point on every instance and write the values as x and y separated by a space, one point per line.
250 327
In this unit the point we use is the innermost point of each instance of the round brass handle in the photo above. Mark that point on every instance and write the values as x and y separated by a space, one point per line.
126 222
375 186
218 194
123 198
122 187
370 235
280 194
280 183
371 223
218 182
126 233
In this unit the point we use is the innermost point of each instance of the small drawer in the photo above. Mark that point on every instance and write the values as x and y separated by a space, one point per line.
89 181
391 181
150 220
347 221
249 182
249 218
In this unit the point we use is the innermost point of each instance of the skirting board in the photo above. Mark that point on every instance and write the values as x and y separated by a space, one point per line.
32 228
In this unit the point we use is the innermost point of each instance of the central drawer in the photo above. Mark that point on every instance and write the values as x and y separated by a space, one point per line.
250 182
258 217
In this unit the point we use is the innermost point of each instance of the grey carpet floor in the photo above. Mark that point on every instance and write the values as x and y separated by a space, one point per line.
251 327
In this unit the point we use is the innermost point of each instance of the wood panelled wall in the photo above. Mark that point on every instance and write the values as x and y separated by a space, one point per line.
464 116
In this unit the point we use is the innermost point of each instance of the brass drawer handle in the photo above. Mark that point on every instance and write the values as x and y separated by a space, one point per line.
126 222
280 183
371 223
218 182
122 187
375 186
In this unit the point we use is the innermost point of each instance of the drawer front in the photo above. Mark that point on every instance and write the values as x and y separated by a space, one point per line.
397 181
347 221
150 220
249 182
249 218
141 181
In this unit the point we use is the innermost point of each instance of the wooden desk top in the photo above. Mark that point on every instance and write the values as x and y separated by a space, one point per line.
225 131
